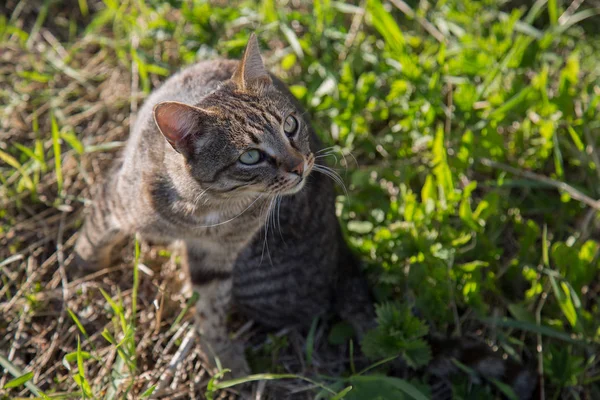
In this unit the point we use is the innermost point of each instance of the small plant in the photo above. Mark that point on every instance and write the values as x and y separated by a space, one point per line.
398 334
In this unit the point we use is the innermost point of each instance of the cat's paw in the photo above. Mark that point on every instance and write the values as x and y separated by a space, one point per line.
88 259
84 265
231 356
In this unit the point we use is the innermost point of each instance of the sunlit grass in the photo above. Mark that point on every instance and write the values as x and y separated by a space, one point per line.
466 133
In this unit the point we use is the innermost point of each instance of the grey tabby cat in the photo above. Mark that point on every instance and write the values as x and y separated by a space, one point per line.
217 151
221 158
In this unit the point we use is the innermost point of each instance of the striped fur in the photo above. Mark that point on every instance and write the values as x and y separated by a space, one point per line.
252 233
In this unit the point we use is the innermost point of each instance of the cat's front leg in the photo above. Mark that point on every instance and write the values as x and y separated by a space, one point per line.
211 276
106 226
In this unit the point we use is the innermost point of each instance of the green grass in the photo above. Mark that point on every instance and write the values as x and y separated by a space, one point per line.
466 132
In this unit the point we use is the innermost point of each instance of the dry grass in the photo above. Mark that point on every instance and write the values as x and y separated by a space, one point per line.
96 98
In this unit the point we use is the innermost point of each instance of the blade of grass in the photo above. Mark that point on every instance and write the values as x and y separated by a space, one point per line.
10 160
76 320
553 12
268 377
14 371
57 159
310 340
83 7
136 282
533 328
400 384
18 381
342 393
39 21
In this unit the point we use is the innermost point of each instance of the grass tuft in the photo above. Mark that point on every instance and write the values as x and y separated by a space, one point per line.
467 136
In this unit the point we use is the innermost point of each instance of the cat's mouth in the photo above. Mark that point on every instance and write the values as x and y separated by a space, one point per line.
297 183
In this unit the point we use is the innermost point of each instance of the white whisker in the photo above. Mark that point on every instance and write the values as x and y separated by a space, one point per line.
331 174
325 149
279 199
231 219
327 155
266 242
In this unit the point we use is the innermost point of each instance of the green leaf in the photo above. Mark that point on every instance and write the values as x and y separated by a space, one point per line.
340 333
558 159
473 265
533 328
72 140
563 297
575 138
18 381
288 61
521 313
441 170
148 392
76 320
401 385
310 340
10 160
342 393
360 227
57 154
386 26
72 357
35 155
545 247
398 333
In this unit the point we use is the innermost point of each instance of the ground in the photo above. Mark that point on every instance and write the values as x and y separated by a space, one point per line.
467 137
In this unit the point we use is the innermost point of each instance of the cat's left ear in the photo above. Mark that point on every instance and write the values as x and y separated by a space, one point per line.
179 122
251 71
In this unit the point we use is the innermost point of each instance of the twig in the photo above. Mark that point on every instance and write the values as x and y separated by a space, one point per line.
184 349
60 257
10 260
354 27
245 328
428 26
539 347
569 11
260 388
52 41
574 193
594 150
449 106
583 227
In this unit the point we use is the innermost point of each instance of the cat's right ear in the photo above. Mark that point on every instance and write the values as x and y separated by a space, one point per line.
177 122
251 71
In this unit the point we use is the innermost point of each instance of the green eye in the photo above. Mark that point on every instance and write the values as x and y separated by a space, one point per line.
251 157
291 125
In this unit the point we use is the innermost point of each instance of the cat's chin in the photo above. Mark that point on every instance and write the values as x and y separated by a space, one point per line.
293 189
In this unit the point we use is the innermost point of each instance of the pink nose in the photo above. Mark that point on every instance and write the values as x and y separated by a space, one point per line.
298 169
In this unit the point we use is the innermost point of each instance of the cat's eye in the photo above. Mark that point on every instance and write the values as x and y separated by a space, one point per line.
251 157
291 125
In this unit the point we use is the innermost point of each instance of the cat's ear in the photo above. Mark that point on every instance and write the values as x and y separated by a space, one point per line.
251 71
177 122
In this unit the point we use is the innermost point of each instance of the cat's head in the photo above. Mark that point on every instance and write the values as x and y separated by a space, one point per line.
244 138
